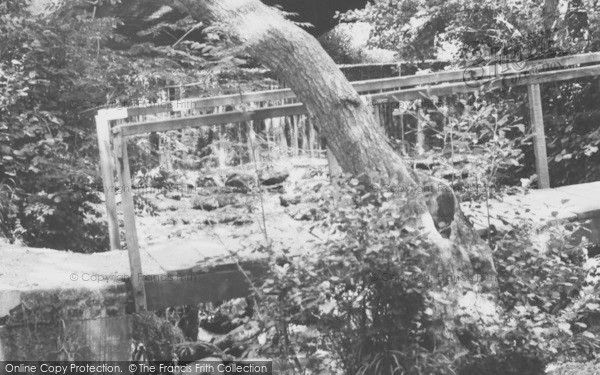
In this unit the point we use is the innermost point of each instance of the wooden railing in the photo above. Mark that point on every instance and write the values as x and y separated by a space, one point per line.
112 140
459 81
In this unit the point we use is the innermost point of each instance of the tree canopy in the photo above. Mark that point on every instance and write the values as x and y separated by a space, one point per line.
521 29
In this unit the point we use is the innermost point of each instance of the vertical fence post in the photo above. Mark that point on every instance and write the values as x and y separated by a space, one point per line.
253 147
539 136
295 134
133 248
108 178
420 147
403 147
311 137
595 229
376 113
281 135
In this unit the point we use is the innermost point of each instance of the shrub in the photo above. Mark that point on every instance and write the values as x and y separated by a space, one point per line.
63 216
478 144
543 296
362 303
359 303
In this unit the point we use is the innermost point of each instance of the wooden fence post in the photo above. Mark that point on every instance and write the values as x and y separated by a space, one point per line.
311 138
539 137
420 146
303 136
283 144
253 149
595 229
295 134
108 179
133 249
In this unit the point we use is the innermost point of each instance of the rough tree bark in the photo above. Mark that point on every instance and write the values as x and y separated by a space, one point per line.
346 121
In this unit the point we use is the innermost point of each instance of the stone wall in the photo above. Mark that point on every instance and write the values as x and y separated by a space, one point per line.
65 324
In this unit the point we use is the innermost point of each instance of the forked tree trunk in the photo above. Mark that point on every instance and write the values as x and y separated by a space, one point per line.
346 122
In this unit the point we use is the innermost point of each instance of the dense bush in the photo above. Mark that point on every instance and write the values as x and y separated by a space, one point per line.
545 295
46 143
364 302
571 118
360 300
474 143
55 70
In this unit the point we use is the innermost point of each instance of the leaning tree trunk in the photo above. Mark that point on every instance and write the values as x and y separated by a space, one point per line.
347 123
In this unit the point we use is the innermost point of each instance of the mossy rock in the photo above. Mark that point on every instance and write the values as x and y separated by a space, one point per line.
211 203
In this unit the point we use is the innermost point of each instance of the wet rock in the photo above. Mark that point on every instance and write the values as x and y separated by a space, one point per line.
170 221
287 200
229 218
274 179
241 182
242 220
313 173
175 195
276 189
205 203
209 181
210 203
213 191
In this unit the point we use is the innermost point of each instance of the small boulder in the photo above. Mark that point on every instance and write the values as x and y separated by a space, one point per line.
276 189
220 219
209 181
175 195
274 179
289 199
314 173
241 182
205 203
170 221
210 203
243 220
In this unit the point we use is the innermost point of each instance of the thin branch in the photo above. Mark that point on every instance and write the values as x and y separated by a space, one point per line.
187 33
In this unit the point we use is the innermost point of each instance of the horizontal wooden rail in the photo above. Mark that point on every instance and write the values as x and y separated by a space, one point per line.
461 75
512 80
211 119
409 94
481 73
211 102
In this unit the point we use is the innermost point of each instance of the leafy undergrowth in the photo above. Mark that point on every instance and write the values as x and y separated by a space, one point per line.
362 303
548 304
